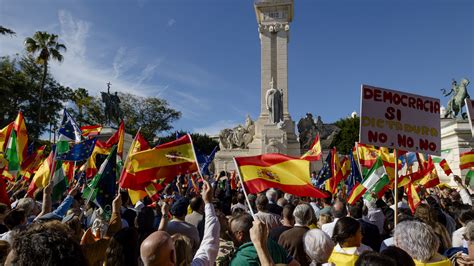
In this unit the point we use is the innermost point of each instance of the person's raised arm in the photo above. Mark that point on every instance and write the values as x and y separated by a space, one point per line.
207 252
164 216
115 223
47 204
259 237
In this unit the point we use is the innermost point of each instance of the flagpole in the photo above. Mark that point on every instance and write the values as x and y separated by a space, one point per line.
243 187
358 159
53 166
195 156
395 153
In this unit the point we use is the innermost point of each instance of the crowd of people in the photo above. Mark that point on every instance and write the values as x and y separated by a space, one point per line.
214 223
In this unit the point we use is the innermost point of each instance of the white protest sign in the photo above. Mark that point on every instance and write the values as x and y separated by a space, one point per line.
399 120
470 113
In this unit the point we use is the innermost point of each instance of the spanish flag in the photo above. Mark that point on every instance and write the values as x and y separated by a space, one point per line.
367 154
105 148
412 196
163 162
430 176
444 165
466 160
91 131
5 135
117 139
138 144
275 170
314 153
91 166
21 137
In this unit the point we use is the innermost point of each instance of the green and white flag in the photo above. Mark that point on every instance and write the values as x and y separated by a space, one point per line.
59 181
373 177
12 155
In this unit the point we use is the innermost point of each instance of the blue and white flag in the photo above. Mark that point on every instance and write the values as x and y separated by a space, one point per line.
69 130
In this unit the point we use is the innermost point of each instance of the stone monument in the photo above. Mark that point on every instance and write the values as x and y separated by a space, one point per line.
274 130
456 135
113 113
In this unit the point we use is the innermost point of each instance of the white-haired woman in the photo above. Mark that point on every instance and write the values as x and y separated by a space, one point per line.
318 246
463 259
420 242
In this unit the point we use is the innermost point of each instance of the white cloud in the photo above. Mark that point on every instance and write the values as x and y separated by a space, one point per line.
80 69
216 127
74 33
171 22
184 85
192 107
123 62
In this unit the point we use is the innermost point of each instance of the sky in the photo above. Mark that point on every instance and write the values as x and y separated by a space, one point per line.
203 56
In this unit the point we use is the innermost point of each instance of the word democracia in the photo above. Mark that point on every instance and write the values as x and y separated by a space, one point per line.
414 102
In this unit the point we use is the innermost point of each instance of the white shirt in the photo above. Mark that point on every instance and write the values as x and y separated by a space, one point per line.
458 239
465 197
207 252
329 227
238 205
376 216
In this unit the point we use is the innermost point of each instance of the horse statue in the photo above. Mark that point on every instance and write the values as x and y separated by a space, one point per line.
112 109
456 103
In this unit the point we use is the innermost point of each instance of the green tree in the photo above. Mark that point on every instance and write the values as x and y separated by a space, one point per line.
202 142
17 77
349 134
45 47
152 115
87 109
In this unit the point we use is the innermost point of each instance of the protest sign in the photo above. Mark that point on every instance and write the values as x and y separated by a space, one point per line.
399 120
470 113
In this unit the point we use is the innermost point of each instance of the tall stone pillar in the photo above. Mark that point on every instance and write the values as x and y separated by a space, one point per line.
278 135
274 17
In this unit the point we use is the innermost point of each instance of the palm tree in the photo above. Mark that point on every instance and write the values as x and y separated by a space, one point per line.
5 31
47 47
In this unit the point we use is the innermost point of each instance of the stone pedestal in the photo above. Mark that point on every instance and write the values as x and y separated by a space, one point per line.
455 136
107 132
275 138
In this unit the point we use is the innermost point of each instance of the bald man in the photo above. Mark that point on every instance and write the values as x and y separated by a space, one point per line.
158 248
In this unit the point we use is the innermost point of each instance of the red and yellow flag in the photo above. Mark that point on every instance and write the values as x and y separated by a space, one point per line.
342 171
430 175
117 139
138 144
41 177
105 148
367 154
99 148
356 193
444 165
90 131
413 198
314 153
32 162
275 170
164 162
466 160
21 137
4 135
